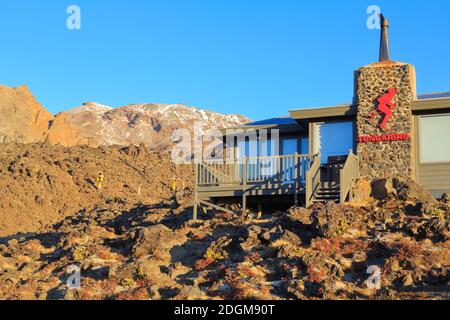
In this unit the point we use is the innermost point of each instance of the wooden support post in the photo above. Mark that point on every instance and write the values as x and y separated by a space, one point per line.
296 177
244 188
260 208
244 203
195 214
352 195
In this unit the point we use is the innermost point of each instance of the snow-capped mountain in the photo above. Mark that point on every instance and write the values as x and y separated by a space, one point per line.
95 124
148 124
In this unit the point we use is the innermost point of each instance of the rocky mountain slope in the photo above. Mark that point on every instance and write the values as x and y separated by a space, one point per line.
24 120
42 184
147 248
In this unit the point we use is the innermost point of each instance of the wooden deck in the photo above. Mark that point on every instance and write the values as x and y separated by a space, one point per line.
296 175
261 176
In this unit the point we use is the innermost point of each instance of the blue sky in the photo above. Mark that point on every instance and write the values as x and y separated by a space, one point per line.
259 58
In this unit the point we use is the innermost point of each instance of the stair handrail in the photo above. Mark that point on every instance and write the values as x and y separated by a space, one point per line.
312 178
215 172
348 175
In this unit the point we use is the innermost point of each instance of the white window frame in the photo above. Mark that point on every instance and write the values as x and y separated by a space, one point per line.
421 161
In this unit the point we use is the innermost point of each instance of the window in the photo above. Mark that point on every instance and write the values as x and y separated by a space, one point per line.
304 145
293 144
289 146
435 138
334 139
247 146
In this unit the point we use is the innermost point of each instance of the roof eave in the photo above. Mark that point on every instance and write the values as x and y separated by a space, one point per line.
344 110
283 128
431 105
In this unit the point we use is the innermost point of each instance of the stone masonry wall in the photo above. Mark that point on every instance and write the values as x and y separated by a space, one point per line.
391 155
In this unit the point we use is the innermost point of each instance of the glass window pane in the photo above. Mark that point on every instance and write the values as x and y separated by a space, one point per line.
434 138
241 150
252 148
289 146
334 139
304 145
265 148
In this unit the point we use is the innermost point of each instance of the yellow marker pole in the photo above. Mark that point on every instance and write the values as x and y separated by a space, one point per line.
100 179
174 185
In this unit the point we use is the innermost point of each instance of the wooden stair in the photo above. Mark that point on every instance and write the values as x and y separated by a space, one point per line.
327 192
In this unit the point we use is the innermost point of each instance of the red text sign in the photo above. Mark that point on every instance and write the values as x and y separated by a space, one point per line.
384 138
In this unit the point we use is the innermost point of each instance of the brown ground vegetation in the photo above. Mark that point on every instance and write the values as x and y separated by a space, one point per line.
131 248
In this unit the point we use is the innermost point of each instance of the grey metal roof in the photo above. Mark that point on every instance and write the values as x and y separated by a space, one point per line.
435 95
273 121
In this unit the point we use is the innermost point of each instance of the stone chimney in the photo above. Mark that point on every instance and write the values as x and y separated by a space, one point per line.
384 92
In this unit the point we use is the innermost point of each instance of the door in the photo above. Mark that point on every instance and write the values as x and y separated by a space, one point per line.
289 147
334 139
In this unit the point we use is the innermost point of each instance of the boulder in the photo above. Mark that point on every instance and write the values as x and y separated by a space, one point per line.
319 261
142 152
446 198
139 152
290 252
218 249
190 293
383 189
362 190
407 280
296 288
435 229
178 269
410 190
151 240
284 238
153 291
289 238
250 238
148 269
71 294
272 235
298 215
329 220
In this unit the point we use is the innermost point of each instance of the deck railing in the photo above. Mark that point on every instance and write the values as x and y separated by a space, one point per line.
349 173
288 174
213 173
283 169
313 179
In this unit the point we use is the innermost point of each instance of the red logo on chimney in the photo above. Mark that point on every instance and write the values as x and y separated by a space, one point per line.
385 108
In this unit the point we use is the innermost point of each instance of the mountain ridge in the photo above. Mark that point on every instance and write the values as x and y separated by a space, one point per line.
25 120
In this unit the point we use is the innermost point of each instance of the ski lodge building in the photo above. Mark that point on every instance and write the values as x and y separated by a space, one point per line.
388 131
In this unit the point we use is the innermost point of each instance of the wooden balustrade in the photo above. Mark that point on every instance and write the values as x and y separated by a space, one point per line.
253 170
313 179
349 173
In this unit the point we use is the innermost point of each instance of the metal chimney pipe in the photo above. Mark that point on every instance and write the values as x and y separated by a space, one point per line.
384 41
